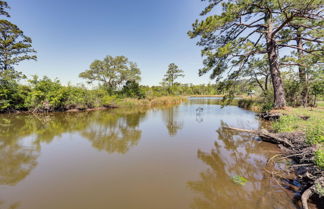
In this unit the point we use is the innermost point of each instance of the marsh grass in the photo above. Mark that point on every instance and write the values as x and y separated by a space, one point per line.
153 102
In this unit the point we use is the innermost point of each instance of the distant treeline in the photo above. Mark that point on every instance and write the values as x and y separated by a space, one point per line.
39 94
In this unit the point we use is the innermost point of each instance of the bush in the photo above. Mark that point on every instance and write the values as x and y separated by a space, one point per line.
12 95
132 89
314 135
266 107
45 94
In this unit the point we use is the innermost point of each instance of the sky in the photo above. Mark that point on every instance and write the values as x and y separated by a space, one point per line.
69 34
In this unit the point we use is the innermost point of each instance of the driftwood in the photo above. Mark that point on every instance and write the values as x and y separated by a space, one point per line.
295 148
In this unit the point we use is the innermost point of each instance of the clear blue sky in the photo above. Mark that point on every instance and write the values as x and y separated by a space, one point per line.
70 34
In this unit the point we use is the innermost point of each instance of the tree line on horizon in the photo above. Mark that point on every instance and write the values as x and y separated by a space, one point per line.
247 46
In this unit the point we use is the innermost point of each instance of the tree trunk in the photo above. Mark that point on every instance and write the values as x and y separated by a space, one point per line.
272 49
302 71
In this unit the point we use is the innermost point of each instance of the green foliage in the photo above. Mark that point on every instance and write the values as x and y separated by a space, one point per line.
112 72
315 135
319 189
14 46
172 74
3 9
132 89
286 123
45 94
267 106
234 34
12 95
246 103
319 158
239 180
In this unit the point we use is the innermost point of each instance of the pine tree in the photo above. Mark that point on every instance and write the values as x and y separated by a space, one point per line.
239 30
14 45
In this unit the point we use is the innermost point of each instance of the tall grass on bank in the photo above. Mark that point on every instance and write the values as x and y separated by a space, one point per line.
153 102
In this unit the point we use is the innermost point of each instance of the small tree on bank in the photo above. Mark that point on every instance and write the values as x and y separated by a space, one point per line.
171 75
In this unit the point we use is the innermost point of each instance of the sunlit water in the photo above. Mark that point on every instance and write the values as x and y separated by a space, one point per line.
171 158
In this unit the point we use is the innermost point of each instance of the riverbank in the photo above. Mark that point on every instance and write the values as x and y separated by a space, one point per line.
109 103
300 133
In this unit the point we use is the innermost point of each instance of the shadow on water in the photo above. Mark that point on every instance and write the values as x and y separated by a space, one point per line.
235 154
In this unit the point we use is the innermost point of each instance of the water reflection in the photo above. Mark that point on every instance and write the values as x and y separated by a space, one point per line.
16 162
100 127
234 154
114 132
171 118
11 206
61 146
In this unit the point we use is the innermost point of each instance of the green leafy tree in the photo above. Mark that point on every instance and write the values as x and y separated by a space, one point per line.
236 31
132 89
112 72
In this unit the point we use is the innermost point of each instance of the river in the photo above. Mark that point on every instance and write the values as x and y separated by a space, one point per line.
177 157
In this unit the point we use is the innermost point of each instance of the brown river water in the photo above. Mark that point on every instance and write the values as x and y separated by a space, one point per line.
176 157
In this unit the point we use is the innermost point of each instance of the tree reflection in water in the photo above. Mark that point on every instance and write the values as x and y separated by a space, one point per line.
112 131
170 117
235 154
16 160
11 206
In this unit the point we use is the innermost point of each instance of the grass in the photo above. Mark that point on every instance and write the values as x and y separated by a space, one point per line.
293 119
153 102
319 157
307 120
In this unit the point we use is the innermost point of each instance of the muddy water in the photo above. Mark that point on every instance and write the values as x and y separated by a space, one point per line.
171 158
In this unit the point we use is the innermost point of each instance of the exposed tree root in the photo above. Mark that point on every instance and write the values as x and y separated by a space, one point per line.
302 154
310 191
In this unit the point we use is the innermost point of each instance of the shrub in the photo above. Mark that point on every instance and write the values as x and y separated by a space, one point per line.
132 89
267 106
314 135
319 158
12 95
